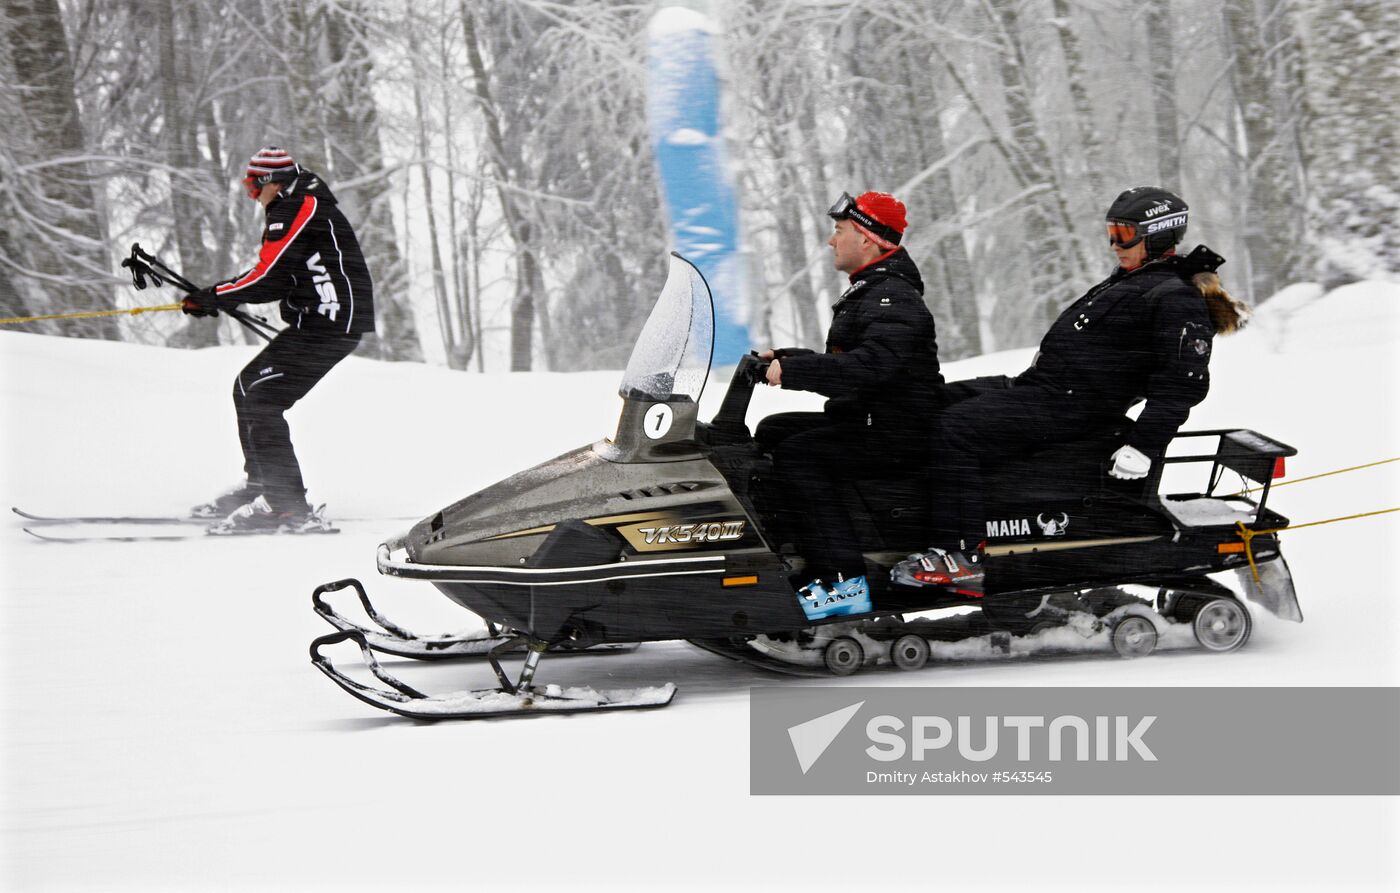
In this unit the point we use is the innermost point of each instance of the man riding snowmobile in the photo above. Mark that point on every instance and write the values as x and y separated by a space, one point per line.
1144 333
880 365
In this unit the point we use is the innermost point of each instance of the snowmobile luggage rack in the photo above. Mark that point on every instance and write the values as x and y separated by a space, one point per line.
1249 454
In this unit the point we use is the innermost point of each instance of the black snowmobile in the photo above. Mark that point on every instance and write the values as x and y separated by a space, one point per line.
670 529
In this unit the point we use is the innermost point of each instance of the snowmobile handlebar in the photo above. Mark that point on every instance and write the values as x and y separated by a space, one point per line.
728 425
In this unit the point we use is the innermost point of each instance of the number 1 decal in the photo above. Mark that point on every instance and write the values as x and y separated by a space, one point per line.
656 421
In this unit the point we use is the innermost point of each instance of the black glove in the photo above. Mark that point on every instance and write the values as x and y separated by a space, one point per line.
204 302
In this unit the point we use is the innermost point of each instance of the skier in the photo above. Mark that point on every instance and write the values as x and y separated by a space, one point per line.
311 262
1145 332
880 364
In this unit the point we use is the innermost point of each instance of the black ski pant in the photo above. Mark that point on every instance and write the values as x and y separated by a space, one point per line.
992 426
272 383
813 458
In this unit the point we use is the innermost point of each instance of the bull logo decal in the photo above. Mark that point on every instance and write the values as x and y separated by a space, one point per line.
1053 526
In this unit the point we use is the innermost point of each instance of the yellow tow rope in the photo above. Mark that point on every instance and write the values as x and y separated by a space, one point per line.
90 314
1248 535
1313 477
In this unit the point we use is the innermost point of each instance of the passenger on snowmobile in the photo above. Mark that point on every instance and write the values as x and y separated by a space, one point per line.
880 368
1144 333
311 262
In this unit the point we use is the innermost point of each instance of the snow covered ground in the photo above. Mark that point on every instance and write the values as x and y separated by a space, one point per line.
162 727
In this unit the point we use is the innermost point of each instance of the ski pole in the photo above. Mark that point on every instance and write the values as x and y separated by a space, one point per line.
143 264
90 314
253 324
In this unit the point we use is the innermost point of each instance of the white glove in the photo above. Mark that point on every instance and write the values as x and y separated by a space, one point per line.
1129 464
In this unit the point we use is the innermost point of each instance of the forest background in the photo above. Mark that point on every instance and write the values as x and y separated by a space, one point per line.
494 155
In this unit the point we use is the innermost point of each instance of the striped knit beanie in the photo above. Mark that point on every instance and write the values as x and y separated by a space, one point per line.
271 165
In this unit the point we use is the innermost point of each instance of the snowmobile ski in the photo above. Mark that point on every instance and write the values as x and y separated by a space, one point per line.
510 699
391 638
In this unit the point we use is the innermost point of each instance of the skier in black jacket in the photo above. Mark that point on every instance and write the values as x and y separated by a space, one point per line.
310 262
880 365
1144 333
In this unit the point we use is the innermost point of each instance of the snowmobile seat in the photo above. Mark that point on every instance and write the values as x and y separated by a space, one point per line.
1072 468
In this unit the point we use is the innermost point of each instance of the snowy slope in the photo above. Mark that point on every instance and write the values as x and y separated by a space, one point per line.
162 726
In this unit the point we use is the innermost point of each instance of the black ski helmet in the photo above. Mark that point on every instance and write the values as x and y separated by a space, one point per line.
1154 214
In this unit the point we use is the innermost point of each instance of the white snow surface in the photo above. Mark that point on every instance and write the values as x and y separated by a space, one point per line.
163 727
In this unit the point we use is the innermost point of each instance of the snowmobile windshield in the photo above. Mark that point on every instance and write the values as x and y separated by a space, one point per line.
672 356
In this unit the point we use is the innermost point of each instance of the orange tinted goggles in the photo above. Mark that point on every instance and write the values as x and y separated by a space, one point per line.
250 183
1123 233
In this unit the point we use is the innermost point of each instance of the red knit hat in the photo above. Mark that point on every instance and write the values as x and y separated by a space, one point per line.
879 215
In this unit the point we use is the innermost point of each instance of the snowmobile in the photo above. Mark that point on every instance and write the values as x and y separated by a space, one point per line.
672 528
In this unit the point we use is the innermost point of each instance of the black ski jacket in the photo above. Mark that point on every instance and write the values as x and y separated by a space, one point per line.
1139 335
310 260
880 368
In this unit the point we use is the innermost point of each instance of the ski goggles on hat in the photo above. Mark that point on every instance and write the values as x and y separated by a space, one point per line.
847 209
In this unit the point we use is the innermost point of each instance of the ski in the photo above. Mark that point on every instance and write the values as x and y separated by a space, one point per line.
153 519
110 538
163 537
108 519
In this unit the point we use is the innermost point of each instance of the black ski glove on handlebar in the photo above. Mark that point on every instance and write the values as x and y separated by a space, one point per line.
204 302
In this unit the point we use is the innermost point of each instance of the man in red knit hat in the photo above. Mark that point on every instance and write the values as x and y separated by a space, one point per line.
880 369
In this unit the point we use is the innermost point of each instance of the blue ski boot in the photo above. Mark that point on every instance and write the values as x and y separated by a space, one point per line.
843 599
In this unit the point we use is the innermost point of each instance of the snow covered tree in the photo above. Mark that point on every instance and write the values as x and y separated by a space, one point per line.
1352 141
1267 84
53 238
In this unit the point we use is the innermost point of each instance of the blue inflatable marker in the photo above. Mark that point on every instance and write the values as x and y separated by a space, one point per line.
683 99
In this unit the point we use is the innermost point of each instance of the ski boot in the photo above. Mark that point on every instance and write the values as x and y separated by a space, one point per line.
258 516
846 597
227 502
963 573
